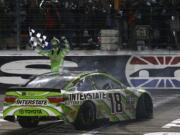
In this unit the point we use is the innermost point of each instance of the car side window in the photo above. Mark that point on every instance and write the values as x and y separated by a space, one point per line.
115 85
107 86
86 84
105 83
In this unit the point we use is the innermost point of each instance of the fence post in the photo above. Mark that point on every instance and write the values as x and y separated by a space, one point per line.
18 24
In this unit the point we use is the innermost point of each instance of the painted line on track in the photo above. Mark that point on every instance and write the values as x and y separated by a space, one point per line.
163 133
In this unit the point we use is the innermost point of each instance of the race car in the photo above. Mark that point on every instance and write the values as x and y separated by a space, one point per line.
81 99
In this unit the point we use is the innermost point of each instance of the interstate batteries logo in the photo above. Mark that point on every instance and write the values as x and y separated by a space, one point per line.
154 71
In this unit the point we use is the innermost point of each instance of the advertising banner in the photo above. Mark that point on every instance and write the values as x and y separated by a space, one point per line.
150 72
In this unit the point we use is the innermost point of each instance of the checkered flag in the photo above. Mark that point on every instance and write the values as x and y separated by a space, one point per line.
37 39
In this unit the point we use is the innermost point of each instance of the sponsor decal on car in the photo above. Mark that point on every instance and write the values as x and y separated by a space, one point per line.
31 102
78 98
86 96
34 112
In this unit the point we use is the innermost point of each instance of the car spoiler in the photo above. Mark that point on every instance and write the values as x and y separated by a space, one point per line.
32 89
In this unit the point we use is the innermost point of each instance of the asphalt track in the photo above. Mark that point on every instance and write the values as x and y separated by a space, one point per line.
166 121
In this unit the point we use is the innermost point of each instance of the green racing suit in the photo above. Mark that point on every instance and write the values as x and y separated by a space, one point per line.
56 54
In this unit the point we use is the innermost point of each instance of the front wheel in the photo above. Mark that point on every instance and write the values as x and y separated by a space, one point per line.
28 122
86 117
144 109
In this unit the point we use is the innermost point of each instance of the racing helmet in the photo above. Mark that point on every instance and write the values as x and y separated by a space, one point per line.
55 42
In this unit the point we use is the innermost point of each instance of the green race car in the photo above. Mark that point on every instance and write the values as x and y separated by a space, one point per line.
80 99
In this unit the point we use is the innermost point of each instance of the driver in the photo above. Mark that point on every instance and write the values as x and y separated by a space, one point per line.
56 54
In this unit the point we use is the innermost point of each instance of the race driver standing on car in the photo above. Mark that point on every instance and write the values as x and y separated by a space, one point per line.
56 54
55 49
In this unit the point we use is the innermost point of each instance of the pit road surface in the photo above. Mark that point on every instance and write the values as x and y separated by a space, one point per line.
166 121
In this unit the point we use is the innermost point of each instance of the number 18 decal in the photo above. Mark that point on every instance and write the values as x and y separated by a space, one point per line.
116 105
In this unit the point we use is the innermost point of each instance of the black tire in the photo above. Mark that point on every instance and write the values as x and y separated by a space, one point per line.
86 118
28 122
144 109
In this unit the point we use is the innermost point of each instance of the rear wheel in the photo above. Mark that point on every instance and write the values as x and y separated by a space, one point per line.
86 117
144 109
28 122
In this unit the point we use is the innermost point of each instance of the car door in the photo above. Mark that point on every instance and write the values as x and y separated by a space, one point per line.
115 97
121 100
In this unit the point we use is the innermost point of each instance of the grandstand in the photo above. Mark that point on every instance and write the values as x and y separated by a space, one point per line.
93 24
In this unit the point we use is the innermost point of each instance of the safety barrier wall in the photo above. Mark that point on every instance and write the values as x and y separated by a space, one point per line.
147 71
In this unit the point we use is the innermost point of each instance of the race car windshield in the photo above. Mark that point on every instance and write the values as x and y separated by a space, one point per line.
53 82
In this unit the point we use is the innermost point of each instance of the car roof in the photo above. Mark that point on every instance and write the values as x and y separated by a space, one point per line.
69 79
84 75
74 75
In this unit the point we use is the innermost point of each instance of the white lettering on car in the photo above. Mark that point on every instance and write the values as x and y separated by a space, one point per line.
80 97
86 96
31 102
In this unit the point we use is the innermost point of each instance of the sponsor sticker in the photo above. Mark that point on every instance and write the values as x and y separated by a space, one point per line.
31 102
30 112
87 96
78 98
